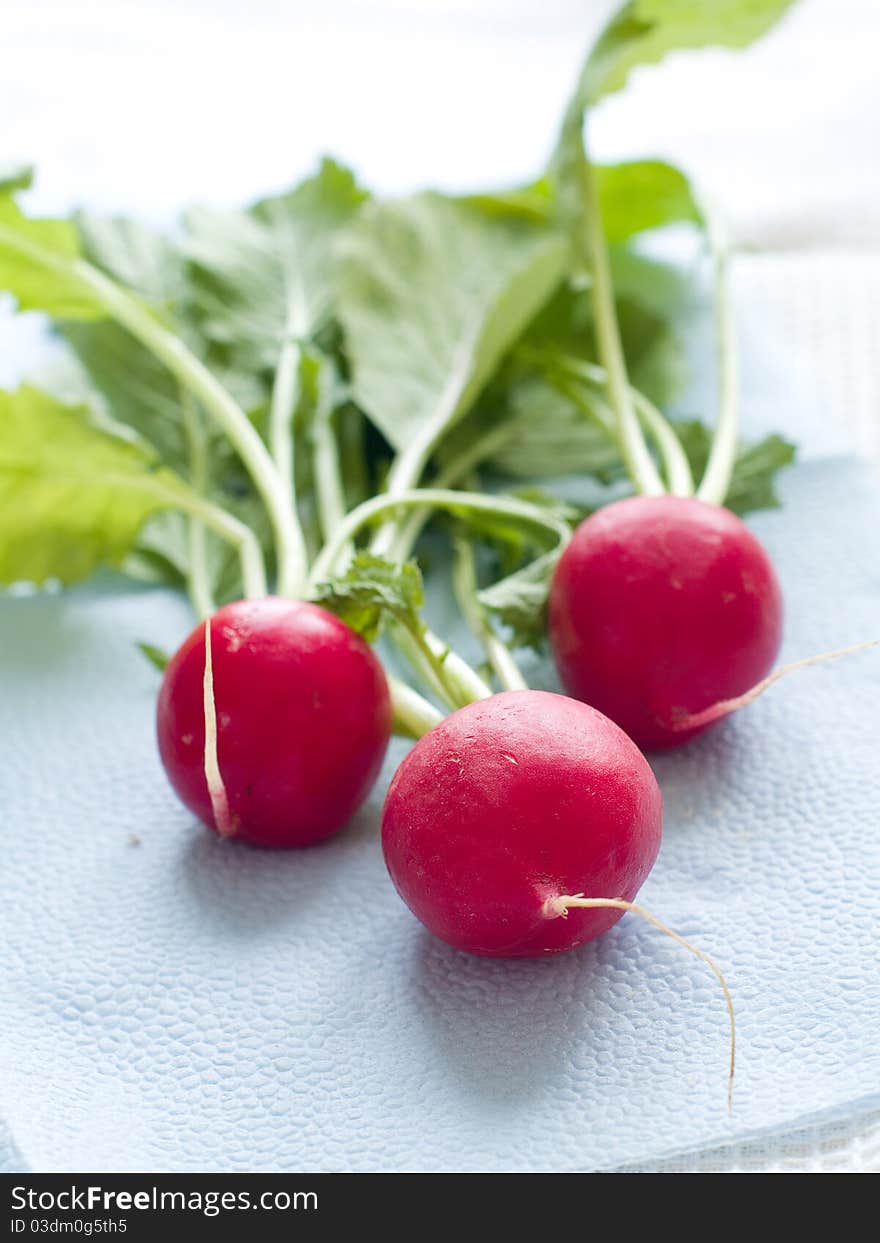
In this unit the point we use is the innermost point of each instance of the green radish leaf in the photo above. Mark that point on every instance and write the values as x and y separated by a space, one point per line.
161 555
331 459
121 378
643 32
657 367
512 546
520 601
551 436
147 263
650 297
118 378
653 298
532 202
331 464
267 275
124 381
118 386
72 496
38 265
752 485
551 433
433 292
509 539
162 552
129 385
634 196
373 591
754 474
554 506
157 658
14 177
641 195
664 289
132 386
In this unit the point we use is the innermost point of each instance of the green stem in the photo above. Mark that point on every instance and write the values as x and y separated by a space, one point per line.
674 458
293 570
198 579
464 580
441 670
431 498
679 476
229 528
409 530
722 456
413 715
408 466
350 427
326 470
195 377
463 684
637 459
421 664
460 684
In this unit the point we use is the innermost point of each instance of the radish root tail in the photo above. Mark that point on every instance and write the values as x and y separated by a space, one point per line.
223 818
559 907
693 720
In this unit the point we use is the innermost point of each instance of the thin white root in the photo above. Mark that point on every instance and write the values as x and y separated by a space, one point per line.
559 907
226 823
724 707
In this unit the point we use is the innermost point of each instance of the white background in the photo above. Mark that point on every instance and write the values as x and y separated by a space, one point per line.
142 105
136 106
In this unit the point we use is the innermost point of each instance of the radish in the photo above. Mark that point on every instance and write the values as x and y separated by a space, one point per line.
524 825
273 721
511 803
663 610
661 607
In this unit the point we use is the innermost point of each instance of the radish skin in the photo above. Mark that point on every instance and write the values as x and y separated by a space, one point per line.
300 714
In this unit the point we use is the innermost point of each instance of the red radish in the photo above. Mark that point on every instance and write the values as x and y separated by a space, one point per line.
510 804
660 608
299 717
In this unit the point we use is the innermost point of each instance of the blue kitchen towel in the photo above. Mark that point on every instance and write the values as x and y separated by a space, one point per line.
173 1002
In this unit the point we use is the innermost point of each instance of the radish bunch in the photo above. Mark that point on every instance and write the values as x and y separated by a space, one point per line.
274 405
